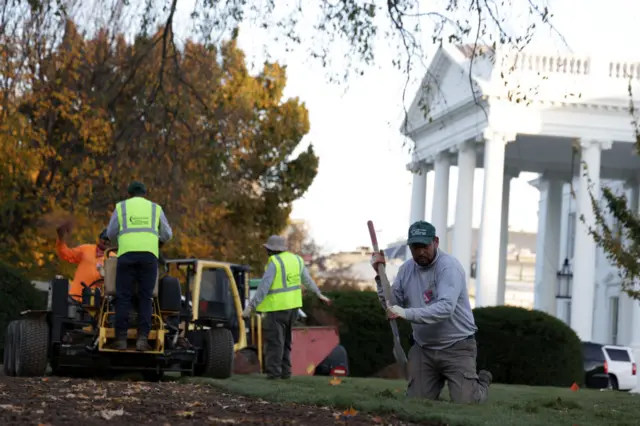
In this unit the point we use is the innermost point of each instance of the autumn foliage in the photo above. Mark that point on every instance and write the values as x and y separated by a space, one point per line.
80 117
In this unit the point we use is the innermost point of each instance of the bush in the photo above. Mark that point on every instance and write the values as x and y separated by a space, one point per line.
527 347
517 345
364 329
17 294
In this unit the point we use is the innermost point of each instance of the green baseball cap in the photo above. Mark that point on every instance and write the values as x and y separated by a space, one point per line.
137 188
421 232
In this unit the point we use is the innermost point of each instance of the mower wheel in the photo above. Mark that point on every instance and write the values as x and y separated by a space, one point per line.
31 348
218 353
9 359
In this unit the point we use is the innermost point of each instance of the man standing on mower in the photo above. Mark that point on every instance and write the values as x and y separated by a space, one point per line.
430 291
139 226
88 257
279 296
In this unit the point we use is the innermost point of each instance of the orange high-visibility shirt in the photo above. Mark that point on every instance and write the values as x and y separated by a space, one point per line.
86 259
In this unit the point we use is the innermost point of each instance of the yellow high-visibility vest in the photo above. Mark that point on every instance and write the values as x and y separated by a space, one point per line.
286 291
139 221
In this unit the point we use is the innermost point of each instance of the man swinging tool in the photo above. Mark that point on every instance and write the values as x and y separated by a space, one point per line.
279 295
430 291
138 225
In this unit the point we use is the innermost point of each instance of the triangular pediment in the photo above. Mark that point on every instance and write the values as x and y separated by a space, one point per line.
447 84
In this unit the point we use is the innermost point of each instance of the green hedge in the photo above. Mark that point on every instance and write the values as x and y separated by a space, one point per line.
17 294
515 344
527 347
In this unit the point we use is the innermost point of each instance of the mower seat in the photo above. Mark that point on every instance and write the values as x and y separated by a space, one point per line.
110 265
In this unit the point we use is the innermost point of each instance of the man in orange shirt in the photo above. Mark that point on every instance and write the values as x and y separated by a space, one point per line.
87 256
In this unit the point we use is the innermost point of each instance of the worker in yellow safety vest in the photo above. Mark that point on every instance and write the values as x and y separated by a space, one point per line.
139 226
279 296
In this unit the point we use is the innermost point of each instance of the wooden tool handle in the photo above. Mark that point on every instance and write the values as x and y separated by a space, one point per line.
374 238
382 272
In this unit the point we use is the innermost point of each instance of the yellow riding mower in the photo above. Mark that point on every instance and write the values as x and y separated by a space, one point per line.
74 336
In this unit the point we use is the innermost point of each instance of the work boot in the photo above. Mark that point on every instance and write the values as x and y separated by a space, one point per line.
485 377
183 343
142 344
120 344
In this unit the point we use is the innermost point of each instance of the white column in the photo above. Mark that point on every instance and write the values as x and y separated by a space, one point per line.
418 191
490 225
548 245
504 233
584 260
440 208
462 229
634 342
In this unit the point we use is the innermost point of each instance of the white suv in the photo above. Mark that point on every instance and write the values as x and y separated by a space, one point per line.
621 367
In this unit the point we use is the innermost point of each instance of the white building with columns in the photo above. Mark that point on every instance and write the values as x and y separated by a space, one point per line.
508 113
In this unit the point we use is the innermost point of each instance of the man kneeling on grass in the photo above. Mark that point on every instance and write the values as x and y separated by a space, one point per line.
430 291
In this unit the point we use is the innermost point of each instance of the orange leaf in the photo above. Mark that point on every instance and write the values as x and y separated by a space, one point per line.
350 412
335 381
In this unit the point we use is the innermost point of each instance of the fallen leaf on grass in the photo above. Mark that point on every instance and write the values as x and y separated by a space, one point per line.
377 419
216 420
186 414
193 404
335 381
110 414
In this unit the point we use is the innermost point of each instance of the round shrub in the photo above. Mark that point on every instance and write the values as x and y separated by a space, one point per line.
17 294
364 329
527 347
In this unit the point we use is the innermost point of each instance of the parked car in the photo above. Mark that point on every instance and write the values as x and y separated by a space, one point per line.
609 366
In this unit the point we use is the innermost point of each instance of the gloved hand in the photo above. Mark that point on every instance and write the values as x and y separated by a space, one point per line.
396 311
247 312
377 259
324 299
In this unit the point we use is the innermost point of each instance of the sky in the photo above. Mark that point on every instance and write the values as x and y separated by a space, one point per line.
354 131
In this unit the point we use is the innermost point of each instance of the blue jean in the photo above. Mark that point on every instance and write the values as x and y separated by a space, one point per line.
140 268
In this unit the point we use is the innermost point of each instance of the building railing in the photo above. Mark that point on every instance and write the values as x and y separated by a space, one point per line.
577 65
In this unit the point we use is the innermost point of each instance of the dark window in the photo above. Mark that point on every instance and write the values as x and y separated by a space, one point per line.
618 355
593 352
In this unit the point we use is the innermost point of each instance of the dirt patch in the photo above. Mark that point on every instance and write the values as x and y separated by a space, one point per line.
393 371
61 401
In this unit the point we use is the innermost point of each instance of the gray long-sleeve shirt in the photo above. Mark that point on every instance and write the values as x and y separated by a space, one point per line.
267 279
435 299
165 233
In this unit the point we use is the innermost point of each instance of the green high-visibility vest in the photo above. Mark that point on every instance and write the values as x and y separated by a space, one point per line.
286 291
139 221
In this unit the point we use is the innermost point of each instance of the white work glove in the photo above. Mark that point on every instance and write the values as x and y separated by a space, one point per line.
377 259
324 299
247 312
396 311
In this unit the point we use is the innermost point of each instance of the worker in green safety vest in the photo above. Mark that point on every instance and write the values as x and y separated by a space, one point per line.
279 296
139 226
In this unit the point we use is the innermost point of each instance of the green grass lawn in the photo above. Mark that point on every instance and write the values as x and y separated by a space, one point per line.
507 405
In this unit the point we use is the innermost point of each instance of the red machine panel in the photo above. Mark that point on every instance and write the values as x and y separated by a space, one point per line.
310 346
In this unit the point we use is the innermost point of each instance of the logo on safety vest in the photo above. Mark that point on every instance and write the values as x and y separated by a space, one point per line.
139 220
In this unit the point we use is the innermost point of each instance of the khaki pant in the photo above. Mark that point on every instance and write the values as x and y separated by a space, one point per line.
428 370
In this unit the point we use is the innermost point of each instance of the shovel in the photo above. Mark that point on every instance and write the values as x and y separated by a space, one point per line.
398 352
